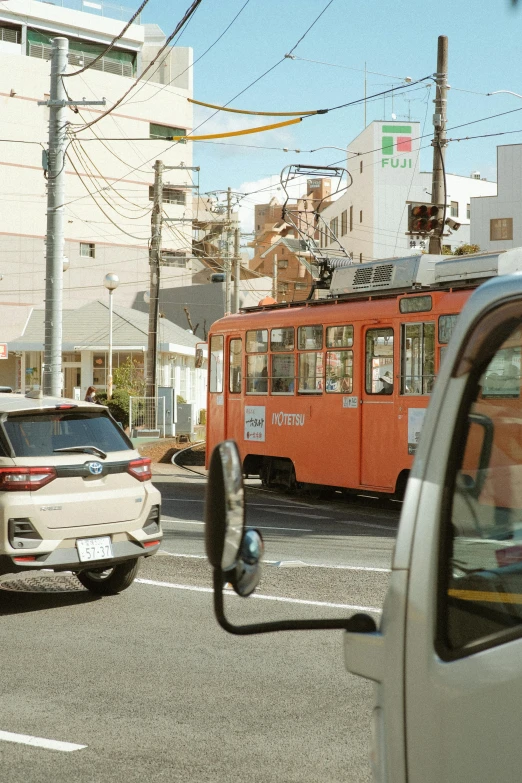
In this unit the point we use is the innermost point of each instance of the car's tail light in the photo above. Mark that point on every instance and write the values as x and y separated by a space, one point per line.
140 469
25 479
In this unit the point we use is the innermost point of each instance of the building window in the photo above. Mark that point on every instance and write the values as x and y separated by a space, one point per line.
282 288
360 167
500 228
282 263
170 195
165 132
454 209
360 216
344 223
301 286
468 211
360 258
87 250
351 218
174 258
334 226
10 34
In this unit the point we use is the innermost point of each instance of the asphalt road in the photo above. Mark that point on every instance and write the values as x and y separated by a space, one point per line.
153 690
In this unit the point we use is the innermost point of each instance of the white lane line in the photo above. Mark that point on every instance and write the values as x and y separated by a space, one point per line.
341 567
299 514
259 527
278 598
40 742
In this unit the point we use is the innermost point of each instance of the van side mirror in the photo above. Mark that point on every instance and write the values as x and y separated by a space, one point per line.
235 551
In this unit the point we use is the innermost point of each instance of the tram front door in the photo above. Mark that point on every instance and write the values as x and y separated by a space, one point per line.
378 409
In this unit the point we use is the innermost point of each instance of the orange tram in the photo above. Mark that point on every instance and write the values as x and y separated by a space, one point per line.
331 393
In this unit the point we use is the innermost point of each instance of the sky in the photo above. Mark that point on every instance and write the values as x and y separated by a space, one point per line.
395 40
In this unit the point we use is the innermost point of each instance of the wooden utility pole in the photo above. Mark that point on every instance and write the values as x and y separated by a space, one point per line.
154 263
438 188
237 269
228 258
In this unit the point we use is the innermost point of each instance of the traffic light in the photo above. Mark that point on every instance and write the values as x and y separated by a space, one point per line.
424 218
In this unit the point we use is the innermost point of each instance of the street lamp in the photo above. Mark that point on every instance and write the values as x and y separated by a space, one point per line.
111 282
508 92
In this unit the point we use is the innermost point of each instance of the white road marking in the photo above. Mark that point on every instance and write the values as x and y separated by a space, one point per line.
40 742
299 514
279 563
260 527
281 599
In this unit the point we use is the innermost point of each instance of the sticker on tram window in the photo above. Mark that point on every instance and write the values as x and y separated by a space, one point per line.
415 422
255 423
415 304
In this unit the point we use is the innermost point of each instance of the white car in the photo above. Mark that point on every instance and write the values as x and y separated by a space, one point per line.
74 493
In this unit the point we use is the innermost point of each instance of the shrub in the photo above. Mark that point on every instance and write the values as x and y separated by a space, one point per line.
118 405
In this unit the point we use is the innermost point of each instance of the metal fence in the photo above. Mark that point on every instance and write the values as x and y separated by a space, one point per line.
145 415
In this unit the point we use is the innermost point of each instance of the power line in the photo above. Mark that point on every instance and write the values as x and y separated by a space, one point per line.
179 26
112 43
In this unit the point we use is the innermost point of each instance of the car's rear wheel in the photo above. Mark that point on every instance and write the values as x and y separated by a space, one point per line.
110 581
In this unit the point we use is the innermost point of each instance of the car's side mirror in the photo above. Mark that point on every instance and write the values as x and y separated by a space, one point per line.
231 548
235 551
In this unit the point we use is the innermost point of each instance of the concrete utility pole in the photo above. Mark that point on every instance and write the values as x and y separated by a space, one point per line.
52 381
228 259
237 269
438 194
154 262
274 276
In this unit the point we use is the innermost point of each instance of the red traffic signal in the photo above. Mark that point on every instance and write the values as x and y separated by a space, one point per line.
423 218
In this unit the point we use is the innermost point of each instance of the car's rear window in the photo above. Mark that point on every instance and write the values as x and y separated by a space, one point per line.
39 434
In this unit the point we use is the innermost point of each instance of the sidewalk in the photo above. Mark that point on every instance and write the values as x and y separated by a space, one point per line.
167 469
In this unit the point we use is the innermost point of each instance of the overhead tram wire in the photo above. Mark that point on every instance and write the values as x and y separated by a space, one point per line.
188 13
189 67
112 43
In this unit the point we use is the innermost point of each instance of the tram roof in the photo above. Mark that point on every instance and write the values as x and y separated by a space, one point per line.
411 274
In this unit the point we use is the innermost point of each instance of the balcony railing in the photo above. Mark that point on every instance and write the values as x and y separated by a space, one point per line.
109 10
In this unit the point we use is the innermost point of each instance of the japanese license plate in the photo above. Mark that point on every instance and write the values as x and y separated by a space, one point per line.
94 549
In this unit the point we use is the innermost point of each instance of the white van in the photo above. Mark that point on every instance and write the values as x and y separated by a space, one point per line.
74 494
447 657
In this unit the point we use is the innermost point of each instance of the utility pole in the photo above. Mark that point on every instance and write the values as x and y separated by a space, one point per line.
55 240
237 269
274 276
156 221
228 264
154 263
438 194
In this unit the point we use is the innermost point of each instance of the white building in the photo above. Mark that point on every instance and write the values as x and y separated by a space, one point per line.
497 220
371 218
108 181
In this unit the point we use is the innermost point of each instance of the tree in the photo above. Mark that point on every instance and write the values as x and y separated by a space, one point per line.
465 250
129 377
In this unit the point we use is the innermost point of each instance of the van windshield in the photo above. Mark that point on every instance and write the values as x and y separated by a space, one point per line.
39 434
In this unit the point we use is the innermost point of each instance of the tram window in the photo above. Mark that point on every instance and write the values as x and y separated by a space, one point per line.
418 358
257 374
234 366
379 361
310 338
415 304
282 339
339 336
283 374
339 372
310 373
257 341
446 327
216 363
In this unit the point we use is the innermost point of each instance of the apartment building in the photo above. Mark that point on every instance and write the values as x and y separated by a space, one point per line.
371 218
496 221
109 178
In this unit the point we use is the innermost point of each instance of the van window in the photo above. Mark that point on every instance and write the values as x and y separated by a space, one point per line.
379 361
310 373
283 374
216 363
282 339
481 591
339 336
257 341
257 374
310 338
339 372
